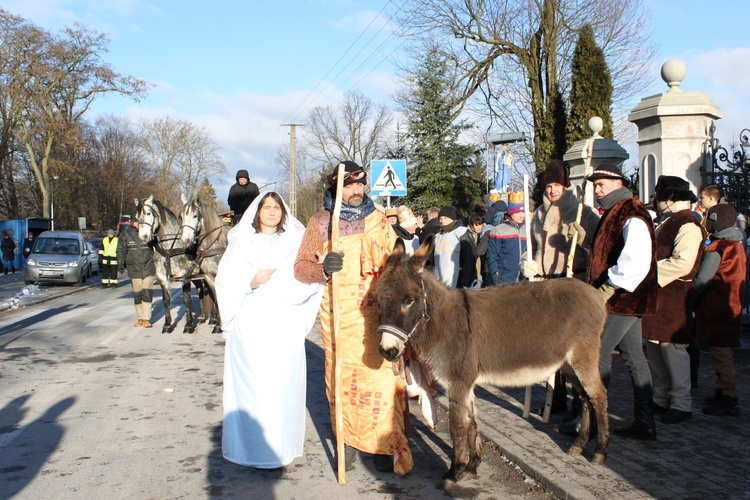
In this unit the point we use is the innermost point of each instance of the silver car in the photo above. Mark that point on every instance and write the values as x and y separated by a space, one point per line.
59 257
93 258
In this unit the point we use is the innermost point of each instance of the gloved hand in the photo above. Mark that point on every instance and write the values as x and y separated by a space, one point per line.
529 268
606 291
333 262
580 232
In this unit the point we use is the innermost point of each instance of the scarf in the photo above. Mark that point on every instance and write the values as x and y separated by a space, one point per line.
348 212
615 197
449 227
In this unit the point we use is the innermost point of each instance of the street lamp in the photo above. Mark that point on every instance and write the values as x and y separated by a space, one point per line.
52 204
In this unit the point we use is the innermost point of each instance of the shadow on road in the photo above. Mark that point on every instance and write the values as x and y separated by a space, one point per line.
34 443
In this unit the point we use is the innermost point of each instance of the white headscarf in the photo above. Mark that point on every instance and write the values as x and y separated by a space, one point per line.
246 255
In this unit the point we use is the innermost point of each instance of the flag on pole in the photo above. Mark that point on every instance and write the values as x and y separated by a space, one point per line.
504 160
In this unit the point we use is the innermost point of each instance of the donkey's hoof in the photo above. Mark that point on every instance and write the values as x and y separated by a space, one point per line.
575 450
167 329
188 329
598 458
217 329
453 474
201 320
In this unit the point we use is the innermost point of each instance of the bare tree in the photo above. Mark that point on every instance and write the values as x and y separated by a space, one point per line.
119 172
199 160
309 182
182 155
354 130
63 74
516 55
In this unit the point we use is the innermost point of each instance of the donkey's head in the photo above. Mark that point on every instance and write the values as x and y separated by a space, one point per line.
191 220
402 301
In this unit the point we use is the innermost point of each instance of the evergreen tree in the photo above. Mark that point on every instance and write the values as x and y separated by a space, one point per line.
441 170
591 89
207 195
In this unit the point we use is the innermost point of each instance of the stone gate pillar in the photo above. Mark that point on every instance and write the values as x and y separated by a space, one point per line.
672 129
602 151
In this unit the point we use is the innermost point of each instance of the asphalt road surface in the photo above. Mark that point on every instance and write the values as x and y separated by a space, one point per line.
91 407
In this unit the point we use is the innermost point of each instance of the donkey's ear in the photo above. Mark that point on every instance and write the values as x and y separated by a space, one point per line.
423 252
183 199
137 202
399 247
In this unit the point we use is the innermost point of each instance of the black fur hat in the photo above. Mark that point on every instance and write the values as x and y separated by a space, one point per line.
670 187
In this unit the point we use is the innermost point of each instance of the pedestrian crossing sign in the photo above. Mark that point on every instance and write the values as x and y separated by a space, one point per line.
390 177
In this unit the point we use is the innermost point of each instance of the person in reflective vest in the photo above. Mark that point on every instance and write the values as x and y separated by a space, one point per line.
108 260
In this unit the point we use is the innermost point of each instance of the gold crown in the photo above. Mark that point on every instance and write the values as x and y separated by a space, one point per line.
515 198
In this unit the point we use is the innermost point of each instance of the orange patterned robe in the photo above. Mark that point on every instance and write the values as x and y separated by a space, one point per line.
376 411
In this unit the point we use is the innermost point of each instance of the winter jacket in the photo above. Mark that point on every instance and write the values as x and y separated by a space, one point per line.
453 257
240 197
136 255
505 248
8 247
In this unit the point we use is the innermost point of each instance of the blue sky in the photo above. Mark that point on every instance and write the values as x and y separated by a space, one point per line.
242 68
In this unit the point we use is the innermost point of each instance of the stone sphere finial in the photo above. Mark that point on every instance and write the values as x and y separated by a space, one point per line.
673 72
596 125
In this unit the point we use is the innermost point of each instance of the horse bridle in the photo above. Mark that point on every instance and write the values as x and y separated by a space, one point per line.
398 332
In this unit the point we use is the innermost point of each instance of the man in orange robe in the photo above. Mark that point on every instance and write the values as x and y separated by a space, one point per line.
375 406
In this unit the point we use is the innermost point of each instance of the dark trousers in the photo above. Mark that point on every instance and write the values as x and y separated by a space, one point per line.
109 270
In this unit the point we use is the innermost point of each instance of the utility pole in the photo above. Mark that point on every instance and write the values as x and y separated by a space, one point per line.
292 165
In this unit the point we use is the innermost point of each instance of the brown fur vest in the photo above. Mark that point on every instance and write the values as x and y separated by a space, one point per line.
718 314
608 243
673 321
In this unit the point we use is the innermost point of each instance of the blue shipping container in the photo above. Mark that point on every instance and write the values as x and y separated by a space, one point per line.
18 229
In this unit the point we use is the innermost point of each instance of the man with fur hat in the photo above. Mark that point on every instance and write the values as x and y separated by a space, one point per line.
549 229
679 248
108 260
718 295
366 239
241 194
454 255
622 266
507 243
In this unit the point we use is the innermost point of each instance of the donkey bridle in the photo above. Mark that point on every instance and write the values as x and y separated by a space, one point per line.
398 332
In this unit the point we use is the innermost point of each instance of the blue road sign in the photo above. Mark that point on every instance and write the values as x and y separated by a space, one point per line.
390 177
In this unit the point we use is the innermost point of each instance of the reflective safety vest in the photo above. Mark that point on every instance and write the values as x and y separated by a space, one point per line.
110 247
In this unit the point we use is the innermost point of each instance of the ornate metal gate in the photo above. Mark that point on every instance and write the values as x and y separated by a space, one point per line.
731 172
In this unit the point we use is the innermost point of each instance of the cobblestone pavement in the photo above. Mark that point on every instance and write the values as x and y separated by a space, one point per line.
707 457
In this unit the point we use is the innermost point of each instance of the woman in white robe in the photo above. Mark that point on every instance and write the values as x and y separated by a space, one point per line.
266 315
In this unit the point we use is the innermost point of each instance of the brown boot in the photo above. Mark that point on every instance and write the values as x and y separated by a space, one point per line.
139 323
146 324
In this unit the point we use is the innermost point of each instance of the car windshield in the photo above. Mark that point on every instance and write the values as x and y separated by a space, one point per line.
60 246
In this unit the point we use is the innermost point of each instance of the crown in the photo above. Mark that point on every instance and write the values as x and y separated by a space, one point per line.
515 197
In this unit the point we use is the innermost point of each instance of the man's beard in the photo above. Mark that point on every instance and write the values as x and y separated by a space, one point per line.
355 200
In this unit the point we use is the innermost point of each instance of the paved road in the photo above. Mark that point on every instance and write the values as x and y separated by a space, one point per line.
91 407
86 409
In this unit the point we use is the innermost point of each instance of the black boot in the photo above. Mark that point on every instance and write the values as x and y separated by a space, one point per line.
643 426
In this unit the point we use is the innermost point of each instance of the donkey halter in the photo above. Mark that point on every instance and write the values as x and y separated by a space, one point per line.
398 332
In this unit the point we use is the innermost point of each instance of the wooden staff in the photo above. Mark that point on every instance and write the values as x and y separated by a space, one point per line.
336 330
579 214
529 253
529 258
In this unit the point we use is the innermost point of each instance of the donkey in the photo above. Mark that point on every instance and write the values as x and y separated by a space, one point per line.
156 222
459 335
204 229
